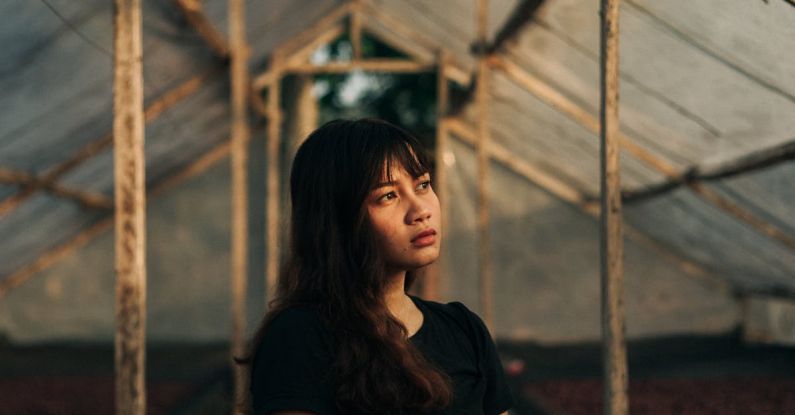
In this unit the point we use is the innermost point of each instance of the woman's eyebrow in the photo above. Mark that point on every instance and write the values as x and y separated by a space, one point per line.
394 183
384 184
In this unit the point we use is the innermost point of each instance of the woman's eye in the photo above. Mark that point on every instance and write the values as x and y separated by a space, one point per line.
388 196
424 185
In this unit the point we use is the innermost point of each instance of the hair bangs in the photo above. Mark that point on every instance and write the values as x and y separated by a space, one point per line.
405 153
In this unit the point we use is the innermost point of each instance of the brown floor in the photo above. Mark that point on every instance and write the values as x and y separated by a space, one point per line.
691 375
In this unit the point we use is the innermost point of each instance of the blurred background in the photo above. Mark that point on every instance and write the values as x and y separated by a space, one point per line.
707 107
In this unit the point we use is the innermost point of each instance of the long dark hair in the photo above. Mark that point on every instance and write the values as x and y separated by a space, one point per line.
332 262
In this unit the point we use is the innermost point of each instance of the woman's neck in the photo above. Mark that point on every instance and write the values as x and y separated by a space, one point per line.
399 303
395 294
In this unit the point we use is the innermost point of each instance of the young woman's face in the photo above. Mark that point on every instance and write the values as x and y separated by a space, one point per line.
405 215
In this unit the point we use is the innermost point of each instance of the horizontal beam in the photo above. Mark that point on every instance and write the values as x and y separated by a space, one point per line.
374 65
86 199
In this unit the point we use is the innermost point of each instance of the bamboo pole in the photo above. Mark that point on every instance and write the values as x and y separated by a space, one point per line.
257 102
454 71
86 199
745 163
195 168
574 197
307 112
303 54
52 256
48 178
556 100
239 154
339 12
294 66
374 65
536 176
296 45
431 285
611 238
55 254
568 107
130 195
486 279
196 18
356 29
417 53
413 51
272 191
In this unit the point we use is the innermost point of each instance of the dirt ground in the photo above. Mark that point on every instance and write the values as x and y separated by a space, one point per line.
681 375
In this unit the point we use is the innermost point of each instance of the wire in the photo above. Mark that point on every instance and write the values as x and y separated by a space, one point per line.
74 29
93 44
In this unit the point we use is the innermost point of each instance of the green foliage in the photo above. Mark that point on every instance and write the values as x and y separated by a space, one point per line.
408 100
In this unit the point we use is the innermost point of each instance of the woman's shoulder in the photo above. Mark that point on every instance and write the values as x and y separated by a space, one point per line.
293 335
292 363
452 307
298 319
298 326
454 311
301 314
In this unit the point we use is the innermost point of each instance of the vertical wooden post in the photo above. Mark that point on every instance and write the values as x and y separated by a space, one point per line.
611 238
272 191
484 240
304 111
130 201
356 30
239 155
431 289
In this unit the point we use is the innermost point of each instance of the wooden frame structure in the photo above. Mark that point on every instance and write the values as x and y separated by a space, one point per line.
611 240
290 58
417 46
485 274
239 153
130 195
48 181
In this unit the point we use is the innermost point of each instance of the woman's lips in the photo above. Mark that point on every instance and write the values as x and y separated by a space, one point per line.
424 238
424 241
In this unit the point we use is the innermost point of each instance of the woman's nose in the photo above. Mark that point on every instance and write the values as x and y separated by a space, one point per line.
419 211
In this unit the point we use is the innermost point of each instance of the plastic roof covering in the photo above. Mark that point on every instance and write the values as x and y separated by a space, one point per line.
449 22
698 88
545 262
702 83
57 97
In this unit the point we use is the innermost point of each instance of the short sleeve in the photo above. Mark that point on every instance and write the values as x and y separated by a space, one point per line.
292 366
498 397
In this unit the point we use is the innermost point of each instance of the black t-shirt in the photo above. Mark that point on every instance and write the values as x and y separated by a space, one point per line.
291 370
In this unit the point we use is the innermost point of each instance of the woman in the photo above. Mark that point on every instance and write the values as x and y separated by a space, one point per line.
342 336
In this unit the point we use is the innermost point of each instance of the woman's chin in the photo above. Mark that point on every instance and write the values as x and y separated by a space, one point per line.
426 259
